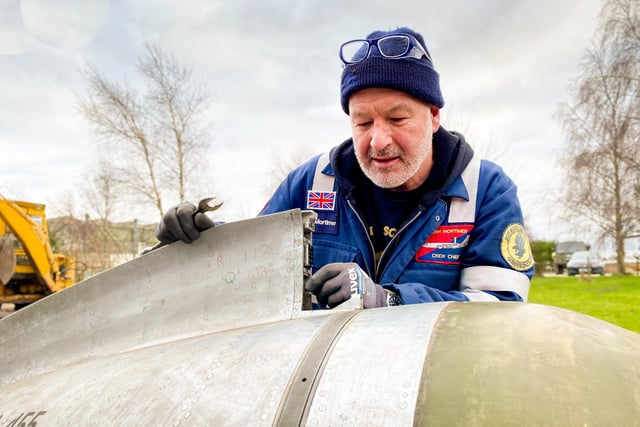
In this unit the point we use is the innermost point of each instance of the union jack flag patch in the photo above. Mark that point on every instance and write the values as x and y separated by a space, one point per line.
321 200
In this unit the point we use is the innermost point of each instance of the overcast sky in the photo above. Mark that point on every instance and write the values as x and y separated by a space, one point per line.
273 72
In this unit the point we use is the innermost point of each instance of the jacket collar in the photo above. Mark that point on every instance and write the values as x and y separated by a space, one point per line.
457 189
344 165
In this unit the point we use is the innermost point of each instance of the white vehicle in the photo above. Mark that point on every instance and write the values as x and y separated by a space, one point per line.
584 261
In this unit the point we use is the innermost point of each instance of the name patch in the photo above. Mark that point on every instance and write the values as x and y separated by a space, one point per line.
326 222
445 245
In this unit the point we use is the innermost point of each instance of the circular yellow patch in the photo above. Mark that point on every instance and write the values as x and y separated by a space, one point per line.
515 248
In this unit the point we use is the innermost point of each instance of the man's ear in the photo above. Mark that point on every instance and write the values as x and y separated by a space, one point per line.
435 118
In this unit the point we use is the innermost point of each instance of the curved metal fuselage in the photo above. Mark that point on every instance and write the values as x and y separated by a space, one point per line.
215 333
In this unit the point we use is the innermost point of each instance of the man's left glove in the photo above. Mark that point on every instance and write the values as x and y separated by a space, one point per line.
182 222
335 283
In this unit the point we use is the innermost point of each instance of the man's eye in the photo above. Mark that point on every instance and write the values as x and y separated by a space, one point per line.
364 124
397 119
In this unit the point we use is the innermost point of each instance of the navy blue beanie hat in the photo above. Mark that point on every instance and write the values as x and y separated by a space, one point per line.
417 77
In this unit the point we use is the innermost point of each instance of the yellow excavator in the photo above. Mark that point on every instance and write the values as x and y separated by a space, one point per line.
29 269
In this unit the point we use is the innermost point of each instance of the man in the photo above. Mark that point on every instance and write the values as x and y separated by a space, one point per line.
406 212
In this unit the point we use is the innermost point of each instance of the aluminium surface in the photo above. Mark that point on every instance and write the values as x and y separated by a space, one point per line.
214 333
172 293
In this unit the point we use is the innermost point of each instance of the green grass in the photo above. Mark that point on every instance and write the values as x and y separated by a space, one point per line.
615 299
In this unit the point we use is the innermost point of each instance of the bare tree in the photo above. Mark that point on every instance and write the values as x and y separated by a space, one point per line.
603 128
155 135
101 191
178 103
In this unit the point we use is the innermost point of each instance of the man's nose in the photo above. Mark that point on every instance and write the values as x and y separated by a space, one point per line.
380 136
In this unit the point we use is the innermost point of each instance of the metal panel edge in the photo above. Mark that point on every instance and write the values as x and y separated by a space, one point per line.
225 280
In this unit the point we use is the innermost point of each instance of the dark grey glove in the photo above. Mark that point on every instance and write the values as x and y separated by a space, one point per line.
182 222
334 284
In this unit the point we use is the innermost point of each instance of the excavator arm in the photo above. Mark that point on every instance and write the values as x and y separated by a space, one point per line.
34 242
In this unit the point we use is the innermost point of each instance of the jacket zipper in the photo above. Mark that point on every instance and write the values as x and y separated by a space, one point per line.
421 210
366 233
376 265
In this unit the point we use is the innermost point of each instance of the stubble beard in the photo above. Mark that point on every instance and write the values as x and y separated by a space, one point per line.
389 178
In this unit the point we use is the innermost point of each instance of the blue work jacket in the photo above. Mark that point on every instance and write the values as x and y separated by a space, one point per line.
468 245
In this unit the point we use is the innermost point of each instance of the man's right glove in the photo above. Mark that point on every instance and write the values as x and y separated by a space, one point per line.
335 283
182 222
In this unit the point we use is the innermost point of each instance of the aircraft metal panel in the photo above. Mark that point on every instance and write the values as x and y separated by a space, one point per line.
233 378
528 364
214 333
235 275
373 372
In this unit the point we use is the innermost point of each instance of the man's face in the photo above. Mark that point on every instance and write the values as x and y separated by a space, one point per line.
392 137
